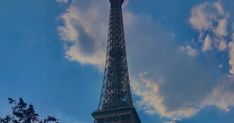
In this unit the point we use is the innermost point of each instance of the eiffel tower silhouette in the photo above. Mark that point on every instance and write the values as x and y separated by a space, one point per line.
115 105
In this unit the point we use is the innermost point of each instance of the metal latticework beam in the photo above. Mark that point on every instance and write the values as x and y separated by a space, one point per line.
116 86
115 105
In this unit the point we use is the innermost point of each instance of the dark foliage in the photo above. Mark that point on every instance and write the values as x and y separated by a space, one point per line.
24 113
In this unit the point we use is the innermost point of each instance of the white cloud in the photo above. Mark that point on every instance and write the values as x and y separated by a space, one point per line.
152 50
222 45
152 102
210 20
93 59
221 29
68 32
207 45
200 19
84 31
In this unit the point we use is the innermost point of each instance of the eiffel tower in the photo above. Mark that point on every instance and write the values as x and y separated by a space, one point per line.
115 105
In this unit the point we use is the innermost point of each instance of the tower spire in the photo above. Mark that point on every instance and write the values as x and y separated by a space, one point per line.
116 100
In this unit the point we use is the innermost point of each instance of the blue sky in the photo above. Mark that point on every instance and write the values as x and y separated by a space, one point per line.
180 53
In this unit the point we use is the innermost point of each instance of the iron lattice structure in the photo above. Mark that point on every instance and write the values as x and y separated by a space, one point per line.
116 88
115 104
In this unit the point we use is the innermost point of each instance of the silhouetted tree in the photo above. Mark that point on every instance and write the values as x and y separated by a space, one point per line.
24 113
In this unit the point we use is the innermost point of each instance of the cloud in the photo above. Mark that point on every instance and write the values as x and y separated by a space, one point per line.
231 53
177 86
84 32
211 21
153 102
189 50
222 45
172 84
207 45
231 56
221 29
200 19
222 95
